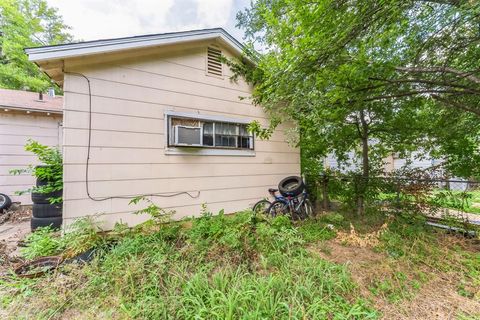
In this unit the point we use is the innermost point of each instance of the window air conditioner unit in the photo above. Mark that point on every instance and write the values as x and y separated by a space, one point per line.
187 136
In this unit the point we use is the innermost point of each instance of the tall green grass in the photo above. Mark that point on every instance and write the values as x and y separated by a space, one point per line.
222 267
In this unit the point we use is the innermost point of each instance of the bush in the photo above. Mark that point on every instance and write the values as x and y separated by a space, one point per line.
79 237
43 242
51 171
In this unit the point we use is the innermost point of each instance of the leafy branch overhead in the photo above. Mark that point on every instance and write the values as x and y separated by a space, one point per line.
373 76
23 24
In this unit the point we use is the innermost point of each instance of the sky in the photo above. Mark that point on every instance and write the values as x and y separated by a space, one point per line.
103 19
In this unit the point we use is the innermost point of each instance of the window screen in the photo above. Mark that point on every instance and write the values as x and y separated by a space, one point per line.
209 134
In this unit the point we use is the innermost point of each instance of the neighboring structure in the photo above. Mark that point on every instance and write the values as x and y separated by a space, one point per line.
158 114
23 116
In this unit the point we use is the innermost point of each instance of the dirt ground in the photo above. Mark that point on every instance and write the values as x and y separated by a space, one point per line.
14 225
438 298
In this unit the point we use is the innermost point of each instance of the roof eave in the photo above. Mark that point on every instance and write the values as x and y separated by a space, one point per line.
57 52
17 108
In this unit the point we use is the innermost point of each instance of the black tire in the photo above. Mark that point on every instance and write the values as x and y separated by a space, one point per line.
5 202
41 183
44 198
278 208
42 210
261 207
55 222
291 186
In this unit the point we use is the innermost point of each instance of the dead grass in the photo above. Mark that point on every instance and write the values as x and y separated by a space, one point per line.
418 291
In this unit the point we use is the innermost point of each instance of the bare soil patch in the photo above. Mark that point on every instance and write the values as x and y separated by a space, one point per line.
436 298
15 224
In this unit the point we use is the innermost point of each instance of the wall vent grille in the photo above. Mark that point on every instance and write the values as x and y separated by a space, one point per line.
214 62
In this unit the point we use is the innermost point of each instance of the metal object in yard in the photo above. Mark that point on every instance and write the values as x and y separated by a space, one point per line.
38 267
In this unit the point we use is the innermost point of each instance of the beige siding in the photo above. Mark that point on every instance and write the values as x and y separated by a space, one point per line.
127 157
15 130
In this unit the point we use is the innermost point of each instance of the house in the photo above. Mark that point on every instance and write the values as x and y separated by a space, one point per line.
158 115
25 115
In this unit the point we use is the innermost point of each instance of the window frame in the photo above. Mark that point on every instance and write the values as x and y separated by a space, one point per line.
171 148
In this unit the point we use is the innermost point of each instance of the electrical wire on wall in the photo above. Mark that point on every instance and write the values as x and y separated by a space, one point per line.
87 164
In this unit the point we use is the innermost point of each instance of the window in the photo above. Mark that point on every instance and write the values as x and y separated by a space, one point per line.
206 133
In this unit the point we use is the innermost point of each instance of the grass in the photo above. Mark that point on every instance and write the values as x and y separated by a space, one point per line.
231 267
463 201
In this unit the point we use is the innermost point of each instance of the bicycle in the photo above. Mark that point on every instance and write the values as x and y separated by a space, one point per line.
298 207
263 205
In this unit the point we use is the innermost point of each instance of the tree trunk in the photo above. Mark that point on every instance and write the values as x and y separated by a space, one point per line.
363 181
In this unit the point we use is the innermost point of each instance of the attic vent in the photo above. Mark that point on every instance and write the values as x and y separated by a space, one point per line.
214 62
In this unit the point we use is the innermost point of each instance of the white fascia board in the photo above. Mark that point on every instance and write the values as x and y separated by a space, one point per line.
206 117
112 45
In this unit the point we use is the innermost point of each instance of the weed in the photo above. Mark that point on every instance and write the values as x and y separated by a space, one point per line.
313 230
79 237
43 242
172 273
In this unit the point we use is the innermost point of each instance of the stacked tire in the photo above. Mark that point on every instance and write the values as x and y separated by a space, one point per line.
291 186
44 213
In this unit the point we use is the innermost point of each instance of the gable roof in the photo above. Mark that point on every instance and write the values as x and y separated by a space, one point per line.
28 101
70 50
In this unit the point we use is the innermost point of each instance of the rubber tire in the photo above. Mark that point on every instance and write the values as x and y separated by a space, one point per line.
55 222
42 210
44 198
291 186
278 207
7 203
261 207
41 183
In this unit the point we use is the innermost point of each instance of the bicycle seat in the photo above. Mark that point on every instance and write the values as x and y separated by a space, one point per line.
271 190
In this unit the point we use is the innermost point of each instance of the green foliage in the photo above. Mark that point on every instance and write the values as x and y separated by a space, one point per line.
461 201
223 267
50 171
159 215
313 231
80 236
23 24
43 242
239 267
403 76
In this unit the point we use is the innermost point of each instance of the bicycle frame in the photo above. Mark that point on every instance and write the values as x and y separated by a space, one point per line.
292 202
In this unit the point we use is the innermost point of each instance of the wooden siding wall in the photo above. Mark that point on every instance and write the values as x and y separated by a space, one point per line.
15 130
129 98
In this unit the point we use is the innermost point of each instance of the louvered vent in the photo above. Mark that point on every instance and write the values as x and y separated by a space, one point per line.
214 62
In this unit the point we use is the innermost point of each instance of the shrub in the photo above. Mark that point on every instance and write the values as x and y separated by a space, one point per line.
43 242
51 171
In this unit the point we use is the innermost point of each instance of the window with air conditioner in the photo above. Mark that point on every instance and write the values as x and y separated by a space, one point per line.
208 133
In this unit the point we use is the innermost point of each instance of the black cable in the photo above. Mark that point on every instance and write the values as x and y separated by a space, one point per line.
87 164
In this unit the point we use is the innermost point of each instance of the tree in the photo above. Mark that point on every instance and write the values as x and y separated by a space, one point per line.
372 76
27 23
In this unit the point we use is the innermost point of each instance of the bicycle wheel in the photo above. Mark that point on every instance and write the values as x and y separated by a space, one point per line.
261 207
306 209
277 208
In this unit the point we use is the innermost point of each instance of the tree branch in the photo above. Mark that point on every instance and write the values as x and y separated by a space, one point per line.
466 75
456 105
409 93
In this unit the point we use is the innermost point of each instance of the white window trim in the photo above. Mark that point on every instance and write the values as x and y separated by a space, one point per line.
196 151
